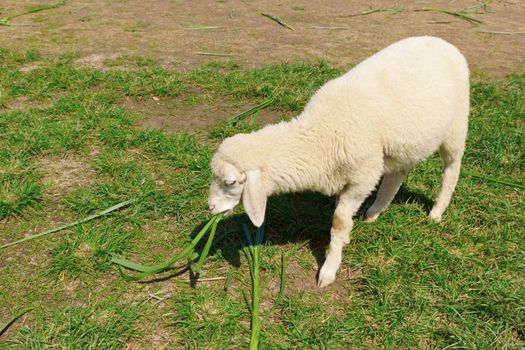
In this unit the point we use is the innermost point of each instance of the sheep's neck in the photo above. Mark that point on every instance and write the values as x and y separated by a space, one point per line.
289 157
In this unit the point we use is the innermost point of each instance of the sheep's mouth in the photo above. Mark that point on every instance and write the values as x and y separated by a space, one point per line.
226 212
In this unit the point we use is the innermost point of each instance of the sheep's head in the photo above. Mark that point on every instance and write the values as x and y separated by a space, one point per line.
229 185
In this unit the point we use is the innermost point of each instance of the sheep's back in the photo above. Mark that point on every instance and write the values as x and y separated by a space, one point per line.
405 98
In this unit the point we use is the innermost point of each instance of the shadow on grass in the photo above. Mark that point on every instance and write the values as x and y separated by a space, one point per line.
303 218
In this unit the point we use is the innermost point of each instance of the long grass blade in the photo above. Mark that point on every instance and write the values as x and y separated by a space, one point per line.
278 20
248 235
256 297
185 252
283 278
147 271
330 27
205 251
33 9
392 9
220 54
492 179
367 12
63 227
499 32
202 27
463 14
248 304
9 323
251 111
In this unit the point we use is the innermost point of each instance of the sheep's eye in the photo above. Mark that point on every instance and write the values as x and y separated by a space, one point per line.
229 182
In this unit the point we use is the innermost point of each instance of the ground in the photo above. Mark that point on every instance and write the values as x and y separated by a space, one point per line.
101 102
98 29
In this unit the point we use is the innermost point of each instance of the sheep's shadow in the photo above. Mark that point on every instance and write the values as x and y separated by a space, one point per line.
303 218
292 218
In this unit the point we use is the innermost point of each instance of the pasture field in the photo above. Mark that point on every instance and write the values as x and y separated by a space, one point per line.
75 140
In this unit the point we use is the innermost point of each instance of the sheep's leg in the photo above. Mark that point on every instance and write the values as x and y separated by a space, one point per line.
452 159
387 190
348 204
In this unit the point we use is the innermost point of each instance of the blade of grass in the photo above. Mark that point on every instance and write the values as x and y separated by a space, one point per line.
248 250
491 179
474 8
463 14
248 235
393 9
283 278
33 9
204 254
63 227
185 252
4 327
248 304
202 53
368 12
330 27
255 274
278 20
227 282
202 27
251 111
498 32
147 271
248 255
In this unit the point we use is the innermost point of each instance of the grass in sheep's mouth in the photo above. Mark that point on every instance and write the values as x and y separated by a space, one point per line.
188 251
71 143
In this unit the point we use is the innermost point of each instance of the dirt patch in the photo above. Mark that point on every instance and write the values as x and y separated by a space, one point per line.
62 175
22 102
96 60
161 29
29 67
300 279
187 113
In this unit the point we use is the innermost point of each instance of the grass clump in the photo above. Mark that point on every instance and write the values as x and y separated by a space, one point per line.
104 326
131 61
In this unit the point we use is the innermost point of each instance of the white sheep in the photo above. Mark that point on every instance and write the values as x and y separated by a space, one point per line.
388 113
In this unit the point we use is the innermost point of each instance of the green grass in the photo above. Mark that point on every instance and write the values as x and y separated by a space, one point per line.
407 283
104 326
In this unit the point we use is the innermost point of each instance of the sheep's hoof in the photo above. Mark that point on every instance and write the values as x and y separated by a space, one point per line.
326 277
371 216
434 217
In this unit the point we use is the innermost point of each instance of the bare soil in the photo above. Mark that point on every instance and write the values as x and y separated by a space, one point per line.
188 114
97 29
61 175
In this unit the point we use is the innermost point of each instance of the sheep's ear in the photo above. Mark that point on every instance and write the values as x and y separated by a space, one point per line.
254 197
